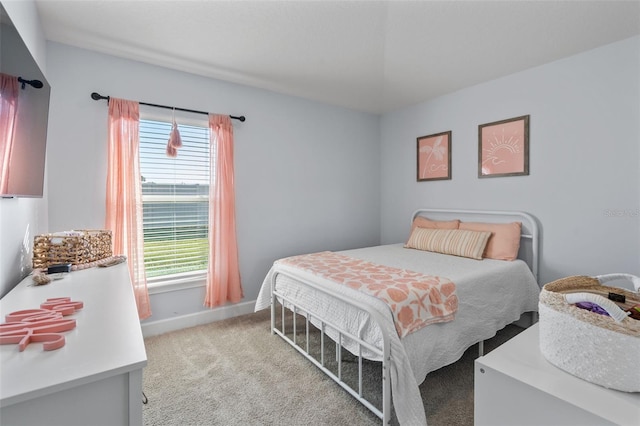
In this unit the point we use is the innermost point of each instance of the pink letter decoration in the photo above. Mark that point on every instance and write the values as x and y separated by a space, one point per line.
40 325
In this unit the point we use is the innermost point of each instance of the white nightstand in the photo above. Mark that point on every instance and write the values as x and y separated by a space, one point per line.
515 385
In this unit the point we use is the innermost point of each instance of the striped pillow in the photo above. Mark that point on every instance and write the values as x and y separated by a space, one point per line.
457 242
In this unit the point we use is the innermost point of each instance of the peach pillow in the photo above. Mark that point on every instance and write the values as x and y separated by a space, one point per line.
505 238
423 222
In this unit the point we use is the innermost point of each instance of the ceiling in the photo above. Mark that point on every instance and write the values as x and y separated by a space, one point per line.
372 56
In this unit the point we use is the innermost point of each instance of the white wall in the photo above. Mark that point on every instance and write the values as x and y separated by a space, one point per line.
312 177
307 175
22 218
584 182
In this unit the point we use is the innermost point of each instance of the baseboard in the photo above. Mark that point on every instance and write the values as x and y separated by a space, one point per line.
155 328
198 318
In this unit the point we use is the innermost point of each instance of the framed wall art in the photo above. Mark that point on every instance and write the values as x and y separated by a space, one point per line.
503 148
434 157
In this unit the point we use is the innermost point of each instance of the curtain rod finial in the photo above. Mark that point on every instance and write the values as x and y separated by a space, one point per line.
97 96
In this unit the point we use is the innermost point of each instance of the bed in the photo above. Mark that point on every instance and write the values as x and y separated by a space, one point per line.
490 294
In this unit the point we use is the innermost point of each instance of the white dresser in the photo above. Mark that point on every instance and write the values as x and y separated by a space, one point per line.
96 377
516 385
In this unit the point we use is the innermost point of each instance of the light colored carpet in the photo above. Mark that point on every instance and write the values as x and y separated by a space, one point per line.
234 372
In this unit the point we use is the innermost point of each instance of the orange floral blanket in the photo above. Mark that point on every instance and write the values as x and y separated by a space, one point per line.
415 299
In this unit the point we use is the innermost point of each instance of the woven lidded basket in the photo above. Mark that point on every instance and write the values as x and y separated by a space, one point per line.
75 247
601 349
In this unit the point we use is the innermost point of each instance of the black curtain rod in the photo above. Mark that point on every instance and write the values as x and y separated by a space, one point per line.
37 84
97 96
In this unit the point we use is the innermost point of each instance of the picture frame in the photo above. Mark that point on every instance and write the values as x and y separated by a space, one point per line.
503 148
433 154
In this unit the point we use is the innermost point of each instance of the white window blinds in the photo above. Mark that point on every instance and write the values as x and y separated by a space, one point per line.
175 195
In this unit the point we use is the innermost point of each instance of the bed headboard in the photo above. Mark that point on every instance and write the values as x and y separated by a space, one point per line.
529 238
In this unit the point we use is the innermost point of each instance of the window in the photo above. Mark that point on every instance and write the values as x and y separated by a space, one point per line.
175 197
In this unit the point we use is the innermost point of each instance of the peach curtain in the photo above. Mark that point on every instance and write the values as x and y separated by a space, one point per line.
9 93
223 272
124 195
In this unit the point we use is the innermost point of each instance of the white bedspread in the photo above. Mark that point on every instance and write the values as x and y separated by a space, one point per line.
491 293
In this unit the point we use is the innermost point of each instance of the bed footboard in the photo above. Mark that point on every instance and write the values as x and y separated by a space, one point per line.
317 320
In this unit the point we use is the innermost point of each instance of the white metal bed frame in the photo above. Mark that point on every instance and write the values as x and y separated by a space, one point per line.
528 252
383 353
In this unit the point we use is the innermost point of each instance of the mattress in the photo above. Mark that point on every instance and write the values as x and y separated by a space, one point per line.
491 294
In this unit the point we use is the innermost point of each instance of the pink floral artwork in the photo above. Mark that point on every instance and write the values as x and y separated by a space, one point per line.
504 148
434 156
